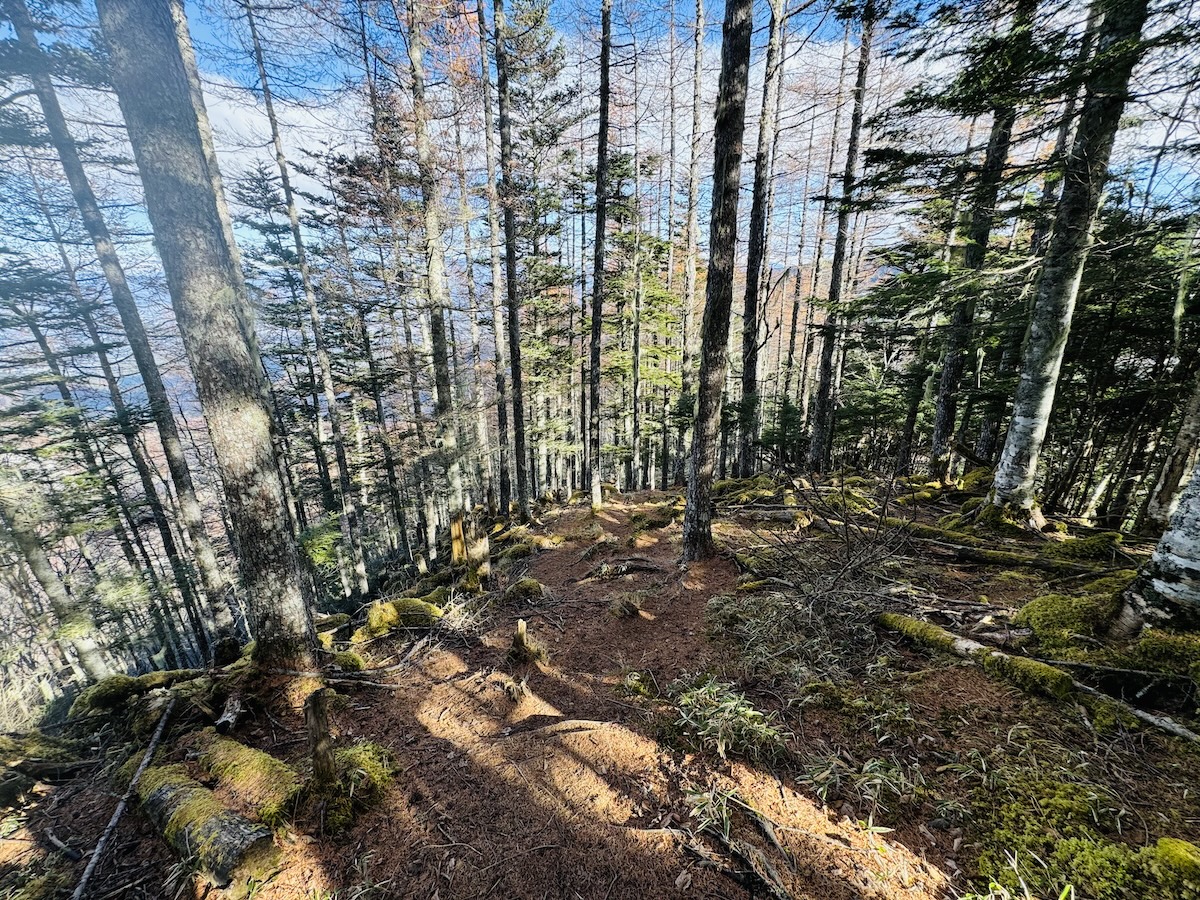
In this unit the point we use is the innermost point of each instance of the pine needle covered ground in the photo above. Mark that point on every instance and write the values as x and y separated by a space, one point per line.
745 727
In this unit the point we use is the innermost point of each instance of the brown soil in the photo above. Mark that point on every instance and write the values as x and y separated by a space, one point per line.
577 789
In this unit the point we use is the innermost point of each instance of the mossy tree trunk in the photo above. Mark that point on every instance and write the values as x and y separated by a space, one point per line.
167 126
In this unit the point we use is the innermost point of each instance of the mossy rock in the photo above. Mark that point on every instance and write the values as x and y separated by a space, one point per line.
349 661
365 769
848 501
1095 548
518 551
1056 618
527 590
925 496
262 782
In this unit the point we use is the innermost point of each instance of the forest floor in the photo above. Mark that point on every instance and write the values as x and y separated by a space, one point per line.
744 729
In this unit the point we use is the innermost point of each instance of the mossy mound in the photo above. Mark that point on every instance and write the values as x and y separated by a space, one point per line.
740 491
519 550
117 690
263 783
988 518
527 590
1095 548
976 481
1173 652
35 745
848 501
405 612
658 517
1057 619
910 499
1044 834
349 661
430 583
365 769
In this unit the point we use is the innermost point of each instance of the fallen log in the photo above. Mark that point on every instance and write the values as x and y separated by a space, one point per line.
225 846
267 785
1029 674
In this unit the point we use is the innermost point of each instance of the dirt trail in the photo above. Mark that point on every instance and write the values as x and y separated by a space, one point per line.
559 789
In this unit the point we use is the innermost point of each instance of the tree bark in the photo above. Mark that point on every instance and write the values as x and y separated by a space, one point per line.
513 301
718 301
166 129
505 480
1119 43
1164 496
599 255
216 586
821 441
768 126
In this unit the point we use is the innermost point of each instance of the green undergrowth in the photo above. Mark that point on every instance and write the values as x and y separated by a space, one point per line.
1047 829
712 716
365 769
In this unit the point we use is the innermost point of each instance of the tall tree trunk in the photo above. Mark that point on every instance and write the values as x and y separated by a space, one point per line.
979 228
1164 496
1119 44
691 230
718 301
768 126
499 335
216 586
166 128
823 412
598 258
76 626
435 284
508 199
348 519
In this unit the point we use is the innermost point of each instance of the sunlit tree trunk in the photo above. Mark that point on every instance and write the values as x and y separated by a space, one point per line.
768 126
718 301
208 295
1119 43
823 409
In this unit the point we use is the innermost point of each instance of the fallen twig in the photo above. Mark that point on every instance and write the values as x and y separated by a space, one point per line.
120 810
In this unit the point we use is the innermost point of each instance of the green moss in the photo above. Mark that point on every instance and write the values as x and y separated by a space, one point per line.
325 639
1043 834
349 661
1176 864
266 784
1097 547
518 551
365 769
108 693
1028 674
405 612
1166 651
527 590
36 745
330 623
546 541
749 587
1108 716
917 497
1055 618
1114 584
919 632
117 690
429 583
975 480
993 519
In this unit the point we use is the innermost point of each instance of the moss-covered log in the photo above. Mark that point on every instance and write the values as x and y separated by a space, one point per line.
265 784
225 846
